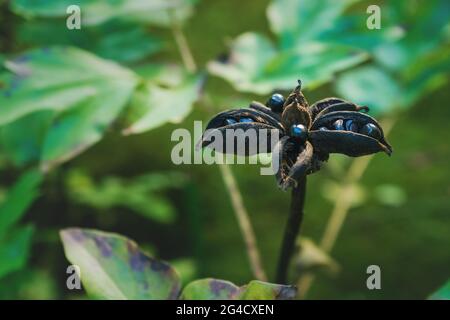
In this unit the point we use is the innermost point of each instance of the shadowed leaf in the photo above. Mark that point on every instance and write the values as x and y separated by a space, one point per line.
113 267
19 198
214 289
14 249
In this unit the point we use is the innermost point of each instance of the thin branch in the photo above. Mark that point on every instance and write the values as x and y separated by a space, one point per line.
182 44
243 222
291 231
341 208
227 175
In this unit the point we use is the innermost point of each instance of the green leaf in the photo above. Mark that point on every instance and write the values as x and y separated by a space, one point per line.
156 105
371 86
19 199
213 289
442 293
256 66
210 289
24 146
296 22
92 12
14 250
259 290
86 92
113 267
180 11
116 40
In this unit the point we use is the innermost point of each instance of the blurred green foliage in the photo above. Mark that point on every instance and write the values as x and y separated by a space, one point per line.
143 194
59 95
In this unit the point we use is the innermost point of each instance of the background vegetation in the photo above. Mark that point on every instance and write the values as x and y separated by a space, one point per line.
86 142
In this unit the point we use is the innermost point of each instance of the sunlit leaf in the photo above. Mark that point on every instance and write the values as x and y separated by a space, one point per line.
257 65
214 289
116 40
180 12
296 22
155 105
92 12
86 92
370 86
113 267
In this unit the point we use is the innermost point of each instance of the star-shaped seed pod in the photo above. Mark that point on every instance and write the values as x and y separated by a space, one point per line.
307 134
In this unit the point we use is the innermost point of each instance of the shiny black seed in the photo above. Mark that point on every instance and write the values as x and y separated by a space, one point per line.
246 120
230 121
323 129
276 102
299 132
338 125
351 125
371 130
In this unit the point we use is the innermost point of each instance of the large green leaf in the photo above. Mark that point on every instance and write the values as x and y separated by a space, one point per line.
92 11
116 40
257 65
113 267
19 199
85 92
14 250
442 293
153 105
214 289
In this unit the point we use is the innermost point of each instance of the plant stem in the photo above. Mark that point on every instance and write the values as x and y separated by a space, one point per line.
291 231
227 175
182 44
243 222
341 208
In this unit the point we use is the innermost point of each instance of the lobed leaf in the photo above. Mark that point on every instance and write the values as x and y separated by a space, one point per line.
85 93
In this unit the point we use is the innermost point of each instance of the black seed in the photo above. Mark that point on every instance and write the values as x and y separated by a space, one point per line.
371 130
323 129
276 102
339 125
351 125
299 132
